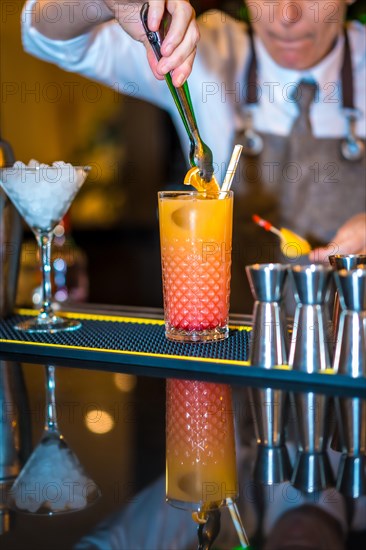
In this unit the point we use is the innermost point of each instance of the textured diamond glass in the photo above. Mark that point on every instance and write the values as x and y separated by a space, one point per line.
196 240
200 445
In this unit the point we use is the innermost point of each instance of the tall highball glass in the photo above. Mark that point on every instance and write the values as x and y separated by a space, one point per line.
196 242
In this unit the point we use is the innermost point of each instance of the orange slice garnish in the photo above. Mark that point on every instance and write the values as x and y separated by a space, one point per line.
193 178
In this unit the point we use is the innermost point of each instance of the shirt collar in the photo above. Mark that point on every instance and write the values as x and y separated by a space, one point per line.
325 72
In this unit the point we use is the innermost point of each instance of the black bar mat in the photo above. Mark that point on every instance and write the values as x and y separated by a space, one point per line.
124 335
105 340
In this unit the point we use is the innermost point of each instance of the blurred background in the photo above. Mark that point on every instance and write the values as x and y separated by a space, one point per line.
108 247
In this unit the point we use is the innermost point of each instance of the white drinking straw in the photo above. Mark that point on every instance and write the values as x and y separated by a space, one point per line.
239 527
233 164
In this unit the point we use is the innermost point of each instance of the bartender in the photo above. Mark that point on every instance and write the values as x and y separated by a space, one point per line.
290 88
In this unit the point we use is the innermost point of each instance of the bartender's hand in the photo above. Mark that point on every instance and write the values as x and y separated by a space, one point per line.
179 47
349 239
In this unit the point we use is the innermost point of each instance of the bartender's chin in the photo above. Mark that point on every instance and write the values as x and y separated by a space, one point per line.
292 59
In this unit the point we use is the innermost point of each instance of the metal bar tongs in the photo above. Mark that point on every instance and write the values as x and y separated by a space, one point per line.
200 154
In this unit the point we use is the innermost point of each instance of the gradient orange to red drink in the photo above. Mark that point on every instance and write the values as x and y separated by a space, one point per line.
196 240
200 445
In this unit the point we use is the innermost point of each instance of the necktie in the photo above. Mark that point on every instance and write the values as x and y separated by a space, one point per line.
298 168
304 96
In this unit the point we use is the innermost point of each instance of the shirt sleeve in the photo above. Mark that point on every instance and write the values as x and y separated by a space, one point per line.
147 523
106 54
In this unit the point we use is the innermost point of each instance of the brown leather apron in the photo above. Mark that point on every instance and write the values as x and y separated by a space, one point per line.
311 190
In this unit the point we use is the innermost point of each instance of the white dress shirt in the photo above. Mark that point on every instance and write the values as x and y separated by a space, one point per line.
217 83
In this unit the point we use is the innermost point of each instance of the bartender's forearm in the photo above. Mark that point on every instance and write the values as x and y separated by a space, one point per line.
63 20
66 19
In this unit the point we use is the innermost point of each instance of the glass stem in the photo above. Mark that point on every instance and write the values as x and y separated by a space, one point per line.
44 241
51 417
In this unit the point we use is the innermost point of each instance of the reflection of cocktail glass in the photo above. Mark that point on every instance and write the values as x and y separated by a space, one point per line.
195 238
43 194
52 481
200 450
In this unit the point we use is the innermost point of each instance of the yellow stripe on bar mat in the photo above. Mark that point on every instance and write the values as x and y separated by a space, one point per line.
108 334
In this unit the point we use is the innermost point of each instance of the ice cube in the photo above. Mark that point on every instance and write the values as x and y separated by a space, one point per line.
33 163
31 505
186 217
77 502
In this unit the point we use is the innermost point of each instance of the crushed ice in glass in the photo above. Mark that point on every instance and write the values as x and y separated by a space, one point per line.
42 193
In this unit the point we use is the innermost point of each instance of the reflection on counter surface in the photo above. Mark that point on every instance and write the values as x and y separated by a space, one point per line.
52 481
200 455
105 449
114 422
248 462
200 449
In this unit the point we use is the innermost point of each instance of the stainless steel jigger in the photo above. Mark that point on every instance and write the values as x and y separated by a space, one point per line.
338 262
310 352
269 348
350 360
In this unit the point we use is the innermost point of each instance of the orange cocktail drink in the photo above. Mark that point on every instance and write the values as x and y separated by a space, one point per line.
196 241
200 445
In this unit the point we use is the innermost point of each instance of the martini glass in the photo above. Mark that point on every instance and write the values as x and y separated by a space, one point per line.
52 481
200 455
43 194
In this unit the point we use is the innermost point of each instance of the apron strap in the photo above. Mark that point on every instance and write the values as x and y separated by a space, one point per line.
347 75
252 73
